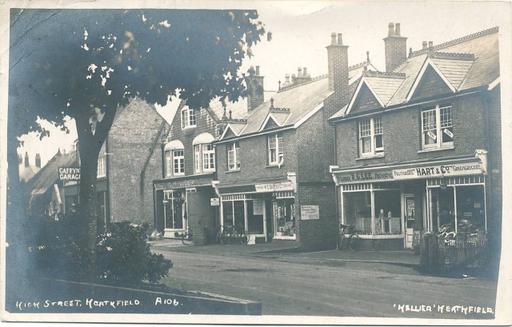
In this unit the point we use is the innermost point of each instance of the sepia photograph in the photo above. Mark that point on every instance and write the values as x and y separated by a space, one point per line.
262 162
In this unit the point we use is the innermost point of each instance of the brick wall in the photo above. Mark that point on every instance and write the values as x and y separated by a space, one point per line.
253 160
395 49
204 124
402 134
130 141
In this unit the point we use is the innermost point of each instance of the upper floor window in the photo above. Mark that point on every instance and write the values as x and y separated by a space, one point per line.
102 169
275 147
188 117
234 156
204 153
437 127
178 162
370 136
174 159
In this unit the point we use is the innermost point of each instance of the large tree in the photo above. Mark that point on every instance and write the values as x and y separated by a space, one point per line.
86 64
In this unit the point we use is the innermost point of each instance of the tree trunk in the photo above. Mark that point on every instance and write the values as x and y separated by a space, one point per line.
89 147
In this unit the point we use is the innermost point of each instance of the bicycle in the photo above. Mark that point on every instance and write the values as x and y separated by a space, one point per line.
348 237
185 237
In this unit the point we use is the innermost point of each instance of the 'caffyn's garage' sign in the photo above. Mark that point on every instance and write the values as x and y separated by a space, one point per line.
69 174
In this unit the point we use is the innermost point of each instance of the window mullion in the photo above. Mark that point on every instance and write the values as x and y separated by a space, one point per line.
372 136
438 126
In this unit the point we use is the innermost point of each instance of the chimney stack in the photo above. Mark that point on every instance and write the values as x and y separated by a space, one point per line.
424 45
430 45
255 94
26 161
337 62
38 160
395 47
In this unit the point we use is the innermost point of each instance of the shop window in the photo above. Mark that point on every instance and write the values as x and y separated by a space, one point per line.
388 212
234 156
357 211
284 218
437 127
370 136
178 162
470 208
234 213
188 118
275 147
173 210
255 210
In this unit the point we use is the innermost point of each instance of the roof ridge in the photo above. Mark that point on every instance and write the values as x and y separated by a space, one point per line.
459 40
452 55
292 86
371 73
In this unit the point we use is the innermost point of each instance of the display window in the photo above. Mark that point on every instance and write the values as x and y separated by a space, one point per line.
357 211
284 218
388 212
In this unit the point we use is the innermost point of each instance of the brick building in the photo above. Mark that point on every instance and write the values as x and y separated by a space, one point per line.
272 164
418 146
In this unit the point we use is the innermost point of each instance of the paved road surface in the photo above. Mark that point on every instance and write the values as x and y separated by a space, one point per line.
286 286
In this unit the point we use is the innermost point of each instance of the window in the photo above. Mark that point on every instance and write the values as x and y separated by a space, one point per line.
275 149
437 127
370 136
102 172
178 159
168 164
204 158
188 118
234 156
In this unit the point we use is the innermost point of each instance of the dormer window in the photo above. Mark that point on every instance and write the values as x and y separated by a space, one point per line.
370 137
188 118
437 128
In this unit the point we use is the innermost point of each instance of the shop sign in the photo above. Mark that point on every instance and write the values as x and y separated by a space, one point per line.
468 168
365 176
309 212
274 187
69 174
214 202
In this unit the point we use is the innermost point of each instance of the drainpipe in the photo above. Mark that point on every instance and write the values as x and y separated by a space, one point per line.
145 166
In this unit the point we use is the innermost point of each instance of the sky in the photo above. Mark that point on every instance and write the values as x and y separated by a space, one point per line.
301 31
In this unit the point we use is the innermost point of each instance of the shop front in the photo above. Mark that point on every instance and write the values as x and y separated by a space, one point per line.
184 206
393 204
261 211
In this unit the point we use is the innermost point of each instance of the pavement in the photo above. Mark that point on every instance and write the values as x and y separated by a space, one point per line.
330 283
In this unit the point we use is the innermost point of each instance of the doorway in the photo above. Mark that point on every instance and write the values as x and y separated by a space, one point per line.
409 210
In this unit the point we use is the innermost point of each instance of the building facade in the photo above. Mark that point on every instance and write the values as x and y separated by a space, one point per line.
272 166
418 146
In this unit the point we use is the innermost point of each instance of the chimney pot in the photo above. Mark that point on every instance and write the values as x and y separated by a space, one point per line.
424 44
430 44
257 70
391 29
410 52
38 160
333 38
367 56
340 39
27 163
397 29
299 72
305 71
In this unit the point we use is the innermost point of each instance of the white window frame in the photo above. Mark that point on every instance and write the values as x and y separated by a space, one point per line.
234 163
188 118
439 131
168 163
278 149
179 168
102 168
204 159
374 150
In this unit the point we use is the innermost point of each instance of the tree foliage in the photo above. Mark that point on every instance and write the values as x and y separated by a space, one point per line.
86 64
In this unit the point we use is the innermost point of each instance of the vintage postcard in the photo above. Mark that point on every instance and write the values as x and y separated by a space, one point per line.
256 162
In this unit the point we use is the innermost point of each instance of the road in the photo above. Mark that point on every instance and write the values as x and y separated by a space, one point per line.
291 286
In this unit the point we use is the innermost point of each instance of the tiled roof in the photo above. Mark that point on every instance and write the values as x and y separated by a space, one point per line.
467 62
299 100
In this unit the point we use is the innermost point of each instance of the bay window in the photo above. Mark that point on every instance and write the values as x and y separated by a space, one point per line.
437 127
234 156
275 148
370 136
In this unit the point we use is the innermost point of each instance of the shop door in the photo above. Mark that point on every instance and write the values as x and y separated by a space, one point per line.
409 218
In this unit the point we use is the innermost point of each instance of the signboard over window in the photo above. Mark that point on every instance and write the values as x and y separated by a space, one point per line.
214 202
274 187
468 168
69 173
309 212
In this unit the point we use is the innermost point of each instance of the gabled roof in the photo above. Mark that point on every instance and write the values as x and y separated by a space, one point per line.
294 104
464 63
